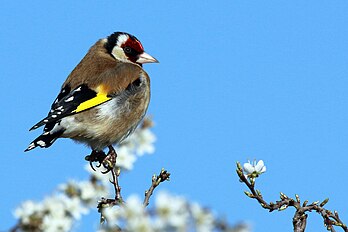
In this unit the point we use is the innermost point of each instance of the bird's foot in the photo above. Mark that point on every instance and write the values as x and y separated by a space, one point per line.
96 156
108 161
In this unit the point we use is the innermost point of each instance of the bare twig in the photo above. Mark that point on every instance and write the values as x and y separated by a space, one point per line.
156 180
104 203
300 217
117 187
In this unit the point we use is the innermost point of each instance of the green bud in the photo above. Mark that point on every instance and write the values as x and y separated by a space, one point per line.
283 196
239 173
283 207
297 198
252 181
239 166
315 203
249 194
324 202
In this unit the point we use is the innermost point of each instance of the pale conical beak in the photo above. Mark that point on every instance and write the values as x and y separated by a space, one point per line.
146 58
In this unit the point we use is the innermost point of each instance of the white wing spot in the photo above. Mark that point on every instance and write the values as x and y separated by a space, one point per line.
69 99
41 143
53 115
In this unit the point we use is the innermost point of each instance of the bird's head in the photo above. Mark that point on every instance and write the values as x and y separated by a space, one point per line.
126 47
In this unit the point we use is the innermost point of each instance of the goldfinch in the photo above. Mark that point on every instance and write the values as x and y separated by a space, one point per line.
103 99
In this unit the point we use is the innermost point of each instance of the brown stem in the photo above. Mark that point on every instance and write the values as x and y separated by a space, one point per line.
156 180
117 187
299 222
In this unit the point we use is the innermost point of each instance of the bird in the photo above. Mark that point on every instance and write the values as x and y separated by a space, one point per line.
103 99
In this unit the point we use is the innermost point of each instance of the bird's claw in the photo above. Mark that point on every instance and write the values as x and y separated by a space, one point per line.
96 156
91 165
108 161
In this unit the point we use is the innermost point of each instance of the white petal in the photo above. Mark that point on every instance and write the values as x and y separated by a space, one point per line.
259 166
263 169
248 168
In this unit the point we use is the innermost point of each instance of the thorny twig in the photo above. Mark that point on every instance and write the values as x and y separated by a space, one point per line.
331 219
156 180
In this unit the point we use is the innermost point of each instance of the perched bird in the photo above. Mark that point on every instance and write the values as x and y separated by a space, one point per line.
103 99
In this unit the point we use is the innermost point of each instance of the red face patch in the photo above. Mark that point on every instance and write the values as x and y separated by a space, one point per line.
132 49
134 44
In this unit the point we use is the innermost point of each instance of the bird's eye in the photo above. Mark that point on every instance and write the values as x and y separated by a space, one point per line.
127 50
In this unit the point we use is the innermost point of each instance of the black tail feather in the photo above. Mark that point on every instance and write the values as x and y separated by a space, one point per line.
45 140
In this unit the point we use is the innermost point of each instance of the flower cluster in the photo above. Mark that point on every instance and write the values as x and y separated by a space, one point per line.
55 213
170 213
58 212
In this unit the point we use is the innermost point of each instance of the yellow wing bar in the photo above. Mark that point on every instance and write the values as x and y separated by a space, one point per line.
97 100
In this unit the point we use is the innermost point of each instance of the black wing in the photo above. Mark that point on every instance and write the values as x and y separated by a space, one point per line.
75 101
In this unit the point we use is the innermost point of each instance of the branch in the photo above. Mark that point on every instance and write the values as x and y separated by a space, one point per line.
300 217
104 203
156 180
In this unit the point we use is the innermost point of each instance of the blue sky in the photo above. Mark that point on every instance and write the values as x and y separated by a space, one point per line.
237 80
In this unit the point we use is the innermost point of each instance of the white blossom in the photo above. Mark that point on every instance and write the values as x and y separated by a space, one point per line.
254 169
88 191
145 140
112 215
104 178
125 158
139 224
171 210
132 214
134 207
75 207
204 219
141 142
27 209
55 205
56 224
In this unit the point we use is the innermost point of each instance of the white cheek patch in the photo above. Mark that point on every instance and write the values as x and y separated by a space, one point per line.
118 53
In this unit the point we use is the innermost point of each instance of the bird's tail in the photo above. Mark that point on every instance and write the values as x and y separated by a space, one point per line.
45 140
